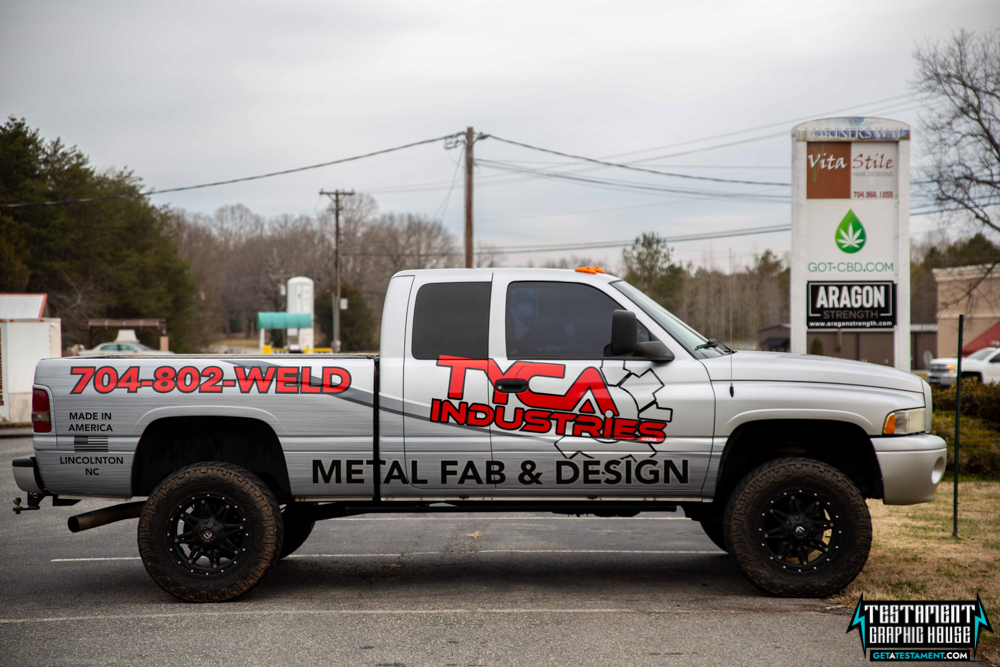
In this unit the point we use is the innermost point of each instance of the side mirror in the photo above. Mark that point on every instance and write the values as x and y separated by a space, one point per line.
624 333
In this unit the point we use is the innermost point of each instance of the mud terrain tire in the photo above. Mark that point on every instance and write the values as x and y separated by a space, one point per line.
796 527
210 532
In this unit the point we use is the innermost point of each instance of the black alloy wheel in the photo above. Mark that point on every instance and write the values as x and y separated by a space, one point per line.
799 531
210 532
797 527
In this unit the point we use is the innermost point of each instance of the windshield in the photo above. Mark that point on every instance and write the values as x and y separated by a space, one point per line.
983 354
677 328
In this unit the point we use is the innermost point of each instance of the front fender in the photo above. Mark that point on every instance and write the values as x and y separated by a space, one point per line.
865 407
772 414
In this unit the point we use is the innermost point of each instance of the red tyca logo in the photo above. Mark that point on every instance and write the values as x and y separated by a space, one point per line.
607 404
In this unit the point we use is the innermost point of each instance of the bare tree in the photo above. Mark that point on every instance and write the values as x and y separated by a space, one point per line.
962 78
488 256
962 129
240 259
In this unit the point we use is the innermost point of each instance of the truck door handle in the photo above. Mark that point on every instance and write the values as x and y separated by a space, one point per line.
512 386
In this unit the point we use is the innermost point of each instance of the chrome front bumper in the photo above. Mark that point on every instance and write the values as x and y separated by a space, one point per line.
912 466
941 378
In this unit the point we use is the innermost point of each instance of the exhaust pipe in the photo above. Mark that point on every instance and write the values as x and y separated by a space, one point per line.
104 516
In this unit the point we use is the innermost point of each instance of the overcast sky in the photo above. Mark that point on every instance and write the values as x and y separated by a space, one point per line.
187 92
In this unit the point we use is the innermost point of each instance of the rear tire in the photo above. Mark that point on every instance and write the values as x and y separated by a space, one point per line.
298 527
797 527
210 532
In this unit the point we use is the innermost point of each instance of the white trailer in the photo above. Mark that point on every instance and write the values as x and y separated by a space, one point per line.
24 341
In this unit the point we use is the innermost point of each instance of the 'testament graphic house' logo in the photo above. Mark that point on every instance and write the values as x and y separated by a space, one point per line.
850 233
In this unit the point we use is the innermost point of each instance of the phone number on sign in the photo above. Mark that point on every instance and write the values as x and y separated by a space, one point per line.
873 194
211 379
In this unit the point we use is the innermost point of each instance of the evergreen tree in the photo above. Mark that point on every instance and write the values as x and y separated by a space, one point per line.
109 258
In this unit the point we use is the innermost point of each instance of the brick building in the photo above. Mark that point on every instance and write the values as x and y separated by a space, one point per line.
975 291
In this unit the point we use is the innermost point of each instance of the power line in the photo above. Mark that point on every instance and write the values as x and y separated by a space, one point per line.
561 163
904 100
629 185
783 133
513 250
633 168
729 233
769 125
233 180
443 206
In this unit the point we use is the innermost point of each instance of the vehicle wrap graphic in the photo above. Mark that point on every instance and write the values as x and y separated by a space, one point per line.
454 471
211 379
598 405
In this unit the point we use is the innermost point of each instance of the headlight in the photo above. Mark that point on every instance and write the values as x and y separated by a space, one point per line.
951 369
904 422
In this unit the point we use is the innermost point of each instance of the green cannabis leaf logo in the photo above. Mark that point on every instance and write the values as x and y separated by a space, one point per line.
851 235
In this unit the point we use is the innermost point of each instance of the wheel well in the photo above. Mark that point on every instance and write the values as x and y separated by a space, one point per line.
844 446
171 443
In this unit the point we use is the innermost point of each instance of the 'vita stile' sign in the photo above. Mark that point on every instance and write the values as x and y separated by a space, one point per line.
850 230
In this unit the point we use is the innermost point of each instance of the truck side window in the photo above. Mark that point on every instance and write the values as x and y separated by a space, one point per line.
553 320
452 319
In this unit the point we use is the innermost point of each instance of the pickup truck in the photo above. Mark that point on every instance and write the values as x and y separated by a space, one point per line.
559 391
980 366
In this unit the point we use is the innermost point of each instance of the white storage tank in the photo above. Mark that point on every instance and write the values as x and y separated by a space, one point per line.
301 291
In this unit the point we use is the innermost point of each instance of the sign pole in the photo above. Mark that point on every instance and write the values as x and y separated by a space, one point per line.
958 419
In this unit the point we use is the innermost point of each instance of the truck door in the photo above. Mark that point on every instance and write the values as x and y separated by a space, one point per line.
446 442
570 420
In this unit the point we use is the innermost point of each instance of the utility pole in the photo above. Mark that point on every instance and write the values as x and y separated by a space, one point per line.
335 198
470 140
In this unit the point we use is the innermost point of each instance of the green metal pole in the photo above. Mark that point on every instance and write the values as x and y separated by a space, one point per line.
958 419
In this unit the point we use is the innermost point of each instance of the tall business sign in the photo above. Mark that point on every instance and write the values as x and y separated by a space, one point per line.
851 230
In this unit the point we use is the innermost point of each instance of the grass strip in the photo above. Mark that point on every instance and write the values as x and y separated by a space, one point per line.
914 556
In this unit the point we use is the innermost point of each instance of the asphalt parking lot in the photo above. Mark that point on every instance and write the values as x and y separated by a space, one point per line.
526 589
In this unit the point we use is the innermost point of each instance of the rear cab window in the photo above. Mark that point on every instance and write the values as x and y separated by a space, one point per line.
451 319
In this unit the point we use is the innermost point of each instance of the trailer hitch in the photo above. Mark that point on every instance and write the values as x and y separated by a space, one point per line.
33 503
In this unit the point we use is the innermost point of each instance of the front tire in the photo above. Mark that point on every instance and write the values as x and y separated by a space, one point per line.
210 532
797 527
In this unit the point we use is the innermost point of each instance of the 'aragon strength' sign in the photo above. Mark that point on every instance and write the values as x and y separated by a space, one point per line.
850 305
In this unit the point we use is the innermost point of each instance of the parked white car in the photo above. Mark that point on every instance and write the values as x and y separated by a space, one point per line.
983 365
132 347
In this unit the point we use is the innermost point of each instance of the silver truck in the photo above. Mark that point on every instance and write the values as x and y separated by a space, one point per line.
495 390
